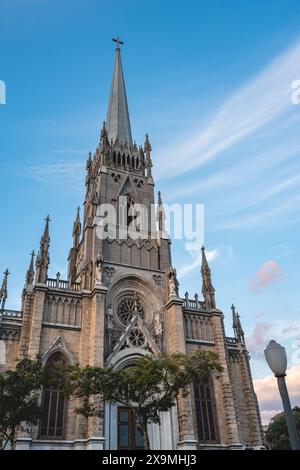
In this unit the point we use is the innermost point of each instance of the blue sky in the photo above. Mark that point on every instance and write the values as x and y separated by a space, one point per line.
210 81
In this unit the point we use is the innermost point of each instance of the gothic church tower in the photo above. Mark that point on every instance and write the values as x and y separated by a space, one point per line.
121 301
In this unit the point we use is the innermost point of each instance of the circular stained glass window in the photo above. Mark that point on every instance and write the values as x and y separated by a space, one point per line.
128 308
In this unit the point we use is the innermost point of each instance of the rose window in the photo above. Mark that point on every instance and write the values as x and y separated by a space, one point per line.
128 308
136 338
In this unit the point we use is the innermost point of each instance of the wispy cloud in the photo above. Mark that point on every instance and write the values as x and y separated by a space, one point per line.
283 330
260 217
196 262
261 101
59 173
269 273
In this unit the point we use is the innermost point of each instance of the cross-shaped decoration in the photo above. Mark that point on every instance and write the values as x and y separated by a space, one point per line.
118 41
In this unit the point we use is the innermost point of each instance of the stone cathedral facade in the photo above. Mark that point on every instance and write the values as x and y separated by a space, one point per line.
121 301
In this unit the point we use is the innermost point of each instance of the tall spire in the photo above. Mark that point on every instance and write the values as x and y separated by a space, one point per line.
76 229
118 122
147 150
208 290
42 259
3 290
237 326
160 216
30 272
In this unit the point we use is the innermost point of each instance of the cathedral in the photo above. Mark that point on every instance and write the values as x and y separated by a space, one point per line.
120 301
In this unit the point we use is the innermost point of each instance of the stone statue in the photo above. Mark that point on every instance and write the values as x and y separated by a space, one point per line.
109 315
99 268
173 283
158 324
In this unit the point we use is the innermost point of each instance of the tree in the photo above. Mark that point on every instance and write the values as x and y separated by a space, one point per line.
20 396
151 385
277 436
19 402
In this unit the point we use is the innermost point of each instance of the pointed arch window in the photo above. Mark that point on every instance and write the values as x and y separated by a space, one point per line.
53 407
130 216
205 411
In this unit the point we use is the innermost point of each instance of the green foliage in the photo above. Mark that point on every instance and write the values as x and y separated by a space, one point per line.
151 385
277 433
20 395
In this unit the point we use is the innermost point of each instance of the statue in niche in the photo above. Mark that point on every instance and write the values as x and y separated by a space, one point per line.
173 283
99 267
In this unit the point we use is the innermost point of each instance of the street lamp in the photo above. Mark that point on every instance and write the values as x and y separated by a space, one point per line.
276 358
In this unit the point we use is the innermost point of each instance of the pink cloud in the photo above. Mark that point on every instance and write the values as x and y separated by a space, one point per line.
268 395
269 273
284 330
267 415
257 341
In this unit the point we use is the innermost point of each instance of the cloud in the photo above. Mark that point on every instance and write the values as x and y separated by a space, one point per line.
196 263
281 330
268 395
269 273
259 102
60 173
267 415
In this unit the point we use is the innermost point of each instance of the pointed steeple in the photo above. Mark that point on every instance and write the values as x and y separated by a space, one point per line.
42 259
76 229
30 272
148 162
237 326
3 290
208 290
118 122
160 216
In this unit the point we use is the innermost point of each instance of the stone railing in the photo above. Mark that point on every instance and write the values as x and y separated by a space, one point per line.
58 283
198 327
194 304
230 340
12 314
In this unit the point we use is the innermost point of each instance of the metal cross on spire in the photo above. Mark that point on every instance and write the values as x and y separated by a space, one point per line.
118 41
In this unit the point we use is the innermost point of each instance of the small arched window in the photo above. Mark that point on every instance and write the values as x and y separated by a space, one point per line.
205 411
130 216
53 406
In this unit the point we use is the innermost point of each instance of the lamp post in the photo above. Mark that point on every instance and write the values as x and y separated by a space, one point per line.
276 358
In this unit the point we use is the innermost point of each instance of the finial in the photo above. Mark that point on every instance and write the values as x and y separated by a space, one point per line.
3 289
208 290
233 309
159 198
147 145
46 231
118 42
30 272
